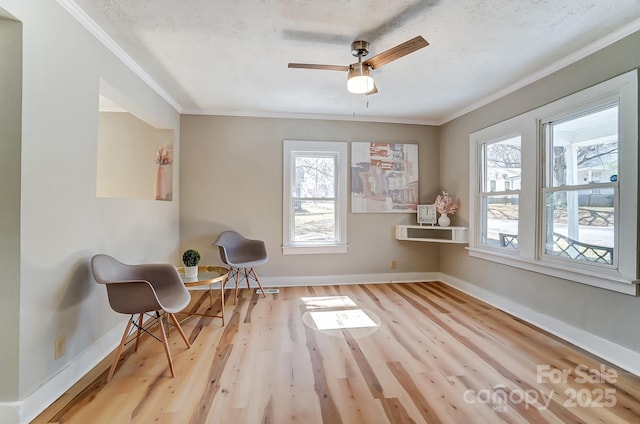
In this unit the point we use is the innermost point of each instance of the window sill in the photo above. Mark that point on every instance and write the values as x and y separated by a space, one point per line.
596 278
314 250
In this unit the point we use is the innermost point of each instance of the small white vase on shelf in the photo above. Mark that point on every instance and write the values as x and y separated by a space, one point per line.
444 220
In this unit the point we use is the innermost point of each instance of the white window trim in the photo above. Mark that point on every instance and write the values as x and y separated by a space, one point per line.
624 278
295 146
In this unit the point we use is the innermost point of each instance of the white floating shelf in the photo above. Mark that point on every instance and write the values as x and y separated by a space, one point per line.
432 234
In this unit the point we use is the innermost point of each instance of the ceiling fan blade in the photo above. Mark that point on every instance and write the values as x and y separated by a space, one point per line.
397 52
319 67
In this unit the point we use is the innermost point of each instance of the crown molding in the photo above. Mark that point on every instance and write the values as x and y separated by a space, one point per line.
91 26
324 117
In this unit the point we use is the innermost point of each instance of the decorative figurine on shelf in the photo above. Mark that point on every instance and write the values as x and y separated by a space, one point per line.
446 206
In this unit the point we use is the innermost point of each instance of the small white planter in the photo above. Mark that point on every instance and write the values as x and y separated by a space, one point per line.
191 271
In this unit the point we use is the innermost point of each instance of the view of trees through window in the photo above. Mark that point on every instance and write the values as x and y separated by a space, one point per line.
314 198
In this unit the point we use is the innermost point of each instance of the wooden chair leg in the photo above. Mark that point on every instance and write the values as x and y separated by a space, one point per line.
222 301
119 350
179 327
139 332
246 277
165 317
258 281
222 287
235 300
165 342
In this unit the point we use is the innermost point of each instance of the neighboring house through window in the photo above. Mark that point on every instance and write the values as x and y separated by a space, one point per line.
499 204
579 211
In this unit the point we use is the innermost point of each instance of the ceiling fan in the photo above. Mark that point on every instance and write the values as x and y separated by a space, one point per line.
359 79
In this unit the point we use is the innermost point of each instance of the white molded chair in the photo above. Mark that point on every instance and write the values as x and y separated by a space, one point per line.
140 289
241 255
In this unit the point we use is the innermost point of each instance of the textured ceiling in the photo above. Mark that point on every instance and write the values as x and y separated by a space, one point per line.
231 56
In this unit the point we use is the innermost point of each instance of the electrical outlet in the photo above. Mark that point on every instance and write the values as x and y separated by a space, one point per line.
60 347
394 264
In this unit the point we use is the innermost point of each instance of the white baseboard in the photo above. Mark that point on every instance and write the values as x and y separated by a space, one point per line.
26 410
609 351
324 280
10 412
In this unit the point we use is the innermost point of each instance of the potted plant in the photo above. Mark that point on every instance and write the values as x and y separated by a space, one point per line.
191 258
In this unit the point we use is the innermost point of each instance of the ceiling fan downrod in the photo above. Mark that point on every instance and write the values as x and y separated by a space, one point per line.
359 49
359 80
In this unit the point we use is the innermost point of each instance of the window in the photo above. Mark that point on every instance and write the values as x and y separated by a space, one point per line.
555 190
501 166
579 204
315 193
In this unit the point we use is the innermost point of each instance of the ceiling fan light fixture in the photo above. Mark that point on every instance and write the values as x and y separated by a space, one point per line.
359 80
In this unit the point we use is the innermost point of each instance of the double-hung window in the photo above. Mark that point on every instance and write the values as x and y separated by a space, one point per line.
315 197
555 190
580 186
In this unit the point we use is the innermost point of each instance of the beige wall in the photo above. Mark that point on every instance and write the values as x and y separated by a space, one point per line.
62 222
606 314
231 178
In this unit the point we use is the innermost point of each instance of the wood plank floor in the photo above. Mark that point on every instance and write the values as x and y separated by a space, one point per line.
437 356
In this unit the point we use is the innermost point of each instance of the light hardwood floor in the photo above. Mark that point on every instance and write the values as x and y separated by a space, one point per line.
437 356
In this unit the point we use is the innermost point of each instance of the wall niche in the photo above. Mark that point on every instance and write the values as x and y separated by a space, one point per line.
135 158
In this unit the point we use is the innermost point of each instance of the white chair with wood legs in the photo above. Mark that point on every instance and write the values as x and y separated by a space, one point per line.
241 255
139 290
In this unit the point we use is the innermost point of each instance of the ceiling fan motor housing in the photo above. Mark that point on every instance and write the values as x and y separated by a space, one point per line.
360 48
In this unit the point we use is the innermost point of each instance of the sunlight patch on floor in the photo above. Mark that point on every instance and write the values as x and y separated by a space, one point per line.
350 318
317 302
331 314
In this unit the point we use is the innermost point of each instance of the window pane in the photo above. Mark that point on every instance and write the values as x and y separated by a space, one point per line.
314 177
314 221
502 165
584 150
501 221
580 224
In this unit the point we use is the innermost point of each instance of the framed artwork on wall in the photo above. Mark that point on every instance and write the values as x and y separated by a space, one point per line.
427 214
384 178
